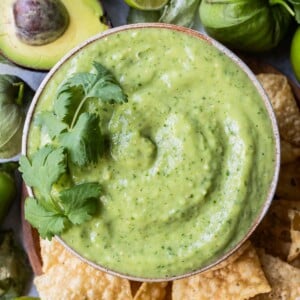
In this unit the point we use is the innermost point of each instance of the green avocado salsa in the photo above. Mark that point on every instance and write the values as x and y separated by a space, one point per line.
188 160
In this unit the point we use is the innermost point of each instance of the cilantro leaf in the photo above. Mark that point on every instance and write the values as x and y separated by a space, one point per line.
84 141
106 86
68 99
49 120
80 201
44 169
83 80
101 85
77 205
47 222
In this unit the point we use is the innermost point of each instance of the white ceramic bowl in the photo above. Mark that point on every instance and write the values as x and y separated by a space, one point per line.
262 210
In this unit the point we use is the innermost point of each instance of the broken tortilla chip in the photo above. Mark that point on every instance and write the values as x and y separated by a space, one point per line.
295 263
283 278
284 105
286 205
289 181
234 256
294 216
67 277
239 280
52 254
135 285
273 233
289 153
151 291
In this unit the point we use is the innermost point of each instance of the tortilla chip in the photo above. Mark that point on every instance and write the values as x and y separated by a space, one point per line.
169 291
289 153
52 254
242 279
234 256
273 234
294 216
134 285
67 277
286 205
295 263
283 278
289 181
151 291
284 105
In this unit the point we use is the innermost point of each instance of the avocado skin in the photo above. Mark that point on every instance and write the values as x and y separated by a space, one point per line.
86 18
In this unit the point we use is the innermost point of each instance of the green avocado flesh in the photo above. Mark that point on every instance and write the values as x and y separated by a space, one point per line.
84 22
189 160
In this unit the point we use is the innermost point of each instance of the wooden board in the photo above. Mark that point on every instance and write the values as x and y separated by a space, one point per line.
30 235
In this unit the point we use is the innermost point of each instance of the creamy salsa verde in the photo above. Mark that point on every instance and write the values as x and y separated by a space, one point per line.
189 158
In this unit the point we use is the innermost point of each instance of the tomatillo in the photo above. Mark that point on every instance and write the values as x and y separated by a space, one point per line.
295 53
7 192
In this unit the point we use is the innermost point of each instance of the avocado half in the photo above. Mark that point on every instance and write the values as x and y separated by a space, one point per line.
84 21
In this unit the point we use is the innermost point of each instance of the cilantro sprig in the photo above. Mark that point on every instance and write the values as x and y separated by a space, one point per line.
79 132
53 214
76 139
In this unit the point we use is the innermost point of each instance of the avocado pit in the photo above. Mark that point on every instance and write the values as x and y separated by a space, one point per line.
40 22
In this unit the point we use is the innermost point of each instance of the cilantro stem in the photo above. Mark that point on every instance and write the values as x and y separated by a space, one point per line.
56 206
77 112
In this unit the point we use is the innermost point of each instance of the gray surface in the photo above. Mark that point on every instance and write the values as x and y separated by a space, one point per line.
32 78
117 12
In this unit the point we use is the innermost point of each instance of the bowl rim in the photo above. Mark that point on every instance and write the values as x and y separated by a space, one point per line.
236 60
